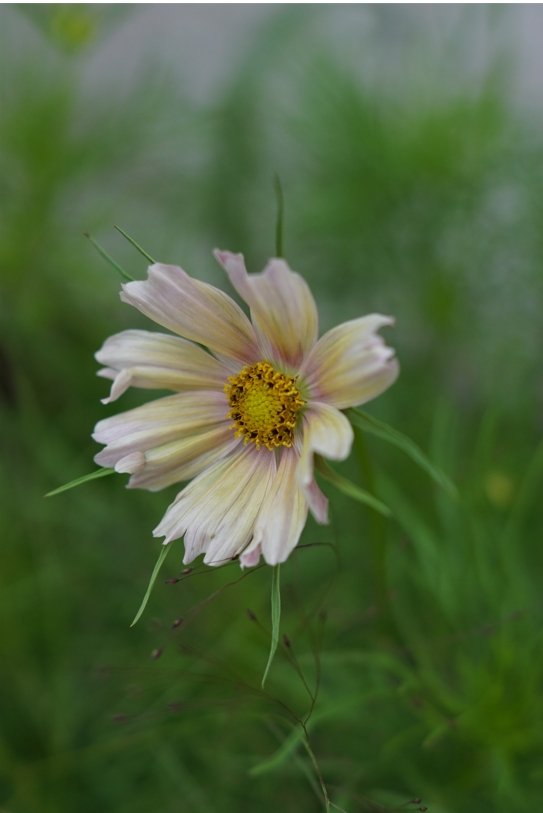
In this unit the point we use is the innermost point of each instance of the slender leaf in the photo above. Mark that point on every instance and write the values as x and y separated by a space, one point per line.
382 430
351 489
79 481
526 496
156 570
280 215
279 756
136 245
124 274
275 618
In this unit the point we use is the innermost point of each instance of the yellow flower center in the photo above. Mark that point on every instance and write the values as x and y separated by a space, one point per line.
264 405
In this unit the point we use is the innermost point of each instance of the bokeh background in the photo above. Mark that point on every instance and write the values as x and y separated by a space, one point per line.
409 144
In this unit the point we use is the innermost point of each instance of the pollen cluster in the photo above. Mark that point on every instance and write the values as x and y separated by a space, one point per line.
264 405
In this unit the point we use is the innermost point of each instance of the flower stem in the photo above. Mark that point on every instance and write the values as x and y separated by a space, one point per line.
328 804
280 215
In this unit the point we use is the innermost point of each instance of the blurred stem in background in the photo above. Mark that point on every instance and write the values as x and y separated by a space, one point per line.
377 534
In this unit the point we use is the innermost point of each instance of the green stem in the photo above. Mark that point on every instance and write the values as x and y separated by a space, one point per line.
328 804
136 245
108 258
280 215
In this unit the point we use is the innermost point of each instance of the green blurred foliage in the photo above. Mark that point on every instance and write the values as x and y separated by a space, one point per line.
412 187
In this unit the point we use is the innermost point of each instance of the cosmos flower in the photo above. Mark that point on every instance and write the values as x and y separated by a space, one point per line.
248 413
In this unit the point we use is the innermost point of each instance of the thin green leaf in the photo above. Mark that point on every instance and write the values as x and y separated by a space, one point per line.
136 245
280 755
351 489
79 481
526 496
156 570
382 430
280 215
124 274
275 618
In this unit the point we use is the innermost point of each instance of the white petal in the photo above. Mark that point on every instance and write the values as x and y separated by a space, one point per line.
195 310
318 502
326 432
139 358
283 310
217 510
184 459
282 517
130 463
168 440
351 364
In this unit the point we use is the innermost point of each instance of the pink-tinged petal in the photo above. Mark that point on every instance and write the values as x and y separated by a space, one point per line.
216 512
195 310
166 418
282 516
318 502
351 364
168 440
182 460
139 358
283 310
130 463
237 524
326 432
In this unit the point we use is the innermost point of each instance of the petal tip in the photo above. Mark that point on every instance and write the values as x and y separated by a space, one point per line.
131 463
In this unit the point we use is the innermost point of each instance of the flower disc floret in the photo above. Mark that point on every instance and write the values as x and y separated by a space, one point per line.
265 405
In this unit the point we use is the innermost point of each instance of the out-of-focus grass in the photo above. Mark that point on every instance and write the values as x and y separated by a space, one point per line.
422 205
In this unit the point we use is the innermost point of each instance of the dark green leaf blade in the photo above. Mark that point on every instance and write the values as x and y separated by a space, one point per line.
350 489
382 430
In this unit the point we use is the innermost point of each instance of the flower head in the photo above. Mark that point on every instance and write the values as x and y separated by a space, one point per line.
247 415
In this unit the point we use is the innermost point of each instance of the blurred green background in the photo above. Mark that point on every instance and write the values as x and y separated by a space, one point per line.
408 140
